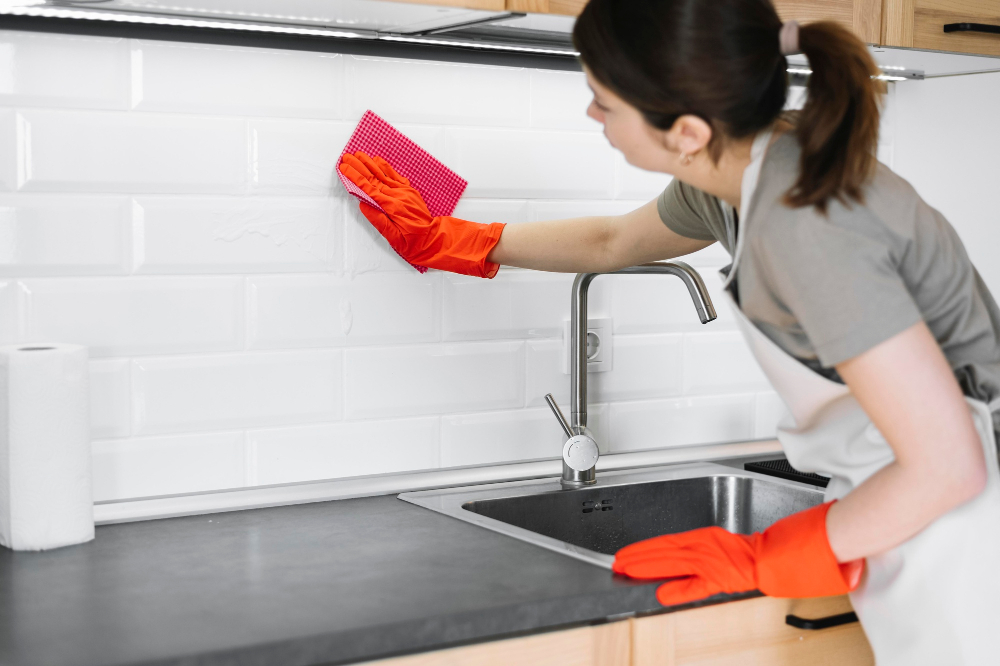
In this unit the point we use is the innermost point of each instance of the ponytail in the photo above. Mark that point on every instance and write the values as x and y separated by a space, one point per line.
721 60
838 127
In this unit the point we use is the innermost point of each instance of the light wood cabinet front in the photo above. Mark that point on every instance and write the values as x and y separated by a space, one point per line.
920 24
864 17
601 645
739 633
566 7
750 632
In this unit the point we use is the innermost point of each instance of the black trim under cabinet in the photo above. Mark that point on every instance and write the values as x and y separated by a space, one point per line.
223 37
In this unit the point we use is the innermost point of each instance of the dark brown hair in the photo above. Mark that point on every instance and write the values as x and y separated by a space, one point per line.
720 60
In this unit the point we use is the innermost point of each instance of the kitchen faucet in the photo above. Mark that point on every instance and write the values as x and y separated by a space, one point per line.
580 451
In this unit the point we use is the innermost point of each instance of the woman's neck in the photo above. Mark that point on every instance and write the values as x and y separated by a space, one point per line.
724 179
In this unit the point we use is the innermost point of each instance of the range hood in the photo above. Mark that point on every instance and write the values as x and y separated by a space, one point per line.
402 29
371 20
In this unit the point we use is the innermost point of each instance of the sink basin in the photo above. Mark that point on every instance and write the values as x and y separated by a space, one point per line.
624 507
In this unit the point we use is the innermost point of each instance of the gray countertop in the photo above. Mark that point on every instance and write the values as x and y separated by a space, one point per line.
324 583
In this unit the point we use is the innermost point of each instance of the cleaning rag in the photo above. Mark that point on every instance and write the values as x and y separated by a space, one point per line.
440 187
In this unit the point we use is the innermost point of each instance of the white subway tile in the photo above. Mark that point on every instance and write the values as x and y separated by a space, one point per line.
126 316
236 81
503 437
661 303
64 235
635 183
10 312
514 304
644 366
544 373
338 450
681 422
93 151
296 156
10 157
515 164
365 250
233 235
402 90
720 363
323 310
558 210
38 69
559 101
404 381
492 210
110 398
500 437
173 394
770 410
152 466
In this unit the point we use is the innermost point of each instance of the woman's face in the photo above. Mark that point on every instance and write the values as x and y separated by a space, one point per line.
643 145
626 129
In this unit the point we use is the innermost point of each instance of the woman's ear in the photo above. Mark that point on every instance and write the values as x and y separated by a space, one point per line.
689 135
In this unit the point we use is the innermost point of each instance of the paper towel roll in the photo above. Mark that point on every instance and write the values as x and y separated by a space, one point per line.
46 499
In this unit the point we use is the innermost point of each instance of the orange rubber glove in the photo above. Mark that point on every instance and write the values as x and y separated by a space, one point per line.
444 243
792 558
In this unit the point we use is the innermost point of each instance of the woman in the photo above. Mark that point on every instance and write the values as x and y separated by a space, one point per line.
856 297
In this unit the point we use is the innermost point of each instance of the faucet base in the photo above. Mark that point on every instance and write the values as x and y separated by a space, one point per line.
571 478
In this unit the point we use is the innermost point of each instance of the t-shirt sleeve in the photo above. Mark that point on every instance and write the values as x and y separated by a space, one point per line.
687 211
843 287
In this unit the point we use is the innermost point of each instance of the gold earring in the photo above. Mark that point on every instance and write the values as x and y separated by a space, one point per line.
685 159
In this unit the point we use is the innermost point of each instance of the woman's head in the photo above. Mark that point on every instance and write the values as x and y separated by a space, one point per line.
717 66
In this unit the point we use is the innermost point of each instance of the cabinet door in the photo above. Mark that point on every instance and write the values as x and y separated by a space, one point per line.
602 645
920 24
750 632
567 7
864 17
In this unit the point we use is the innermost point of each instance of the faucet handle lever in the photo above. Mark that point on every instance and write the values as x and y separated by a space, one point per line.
559 415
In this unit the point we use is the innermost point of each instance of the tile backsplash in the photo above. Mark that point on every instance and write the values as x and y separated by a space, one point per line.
174 207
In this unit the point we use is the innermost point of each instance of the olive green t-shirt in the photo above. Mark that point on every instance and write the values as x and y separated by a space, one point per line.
827 288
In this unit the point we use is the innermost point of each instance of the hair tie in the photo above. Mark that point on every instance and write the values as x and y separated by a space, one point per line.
788 38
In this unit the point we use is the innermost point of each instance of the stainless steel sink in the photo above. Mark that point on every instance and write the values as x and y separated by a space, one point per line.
593 522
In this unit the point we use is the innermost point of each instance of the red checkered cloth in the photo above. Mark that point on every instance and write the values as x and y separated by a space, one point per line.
440 187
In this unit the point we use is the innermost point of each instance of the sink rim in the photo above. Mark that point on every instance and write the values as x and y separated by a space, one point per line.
450 501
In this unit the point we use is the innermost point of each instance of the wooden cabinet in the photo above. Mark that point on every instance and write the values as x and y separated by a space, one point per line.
745 633
601 645
567 7
864 17
920 24
739 633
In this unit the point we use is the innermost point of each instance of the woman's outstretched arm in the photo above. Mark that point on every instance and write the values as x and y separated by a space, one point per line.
907 388
592 244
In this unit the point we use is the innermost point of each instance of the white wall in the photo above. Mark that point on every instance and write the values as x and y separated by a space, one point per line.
174 207
948 146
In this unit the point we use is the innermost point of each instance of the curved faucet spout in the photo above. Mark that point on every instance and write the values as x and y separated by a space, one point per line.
578 341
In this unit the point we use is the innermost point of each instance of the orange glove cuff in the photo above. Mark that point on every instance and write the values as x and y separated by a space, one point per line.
794 558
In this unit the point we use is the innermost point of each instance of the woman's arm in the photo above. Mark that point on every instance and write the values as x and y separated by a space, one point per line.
907 388
592 244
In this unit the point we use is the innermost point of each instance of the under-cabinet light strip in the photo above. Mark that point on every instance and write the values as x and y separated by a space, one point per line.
478 45
51 12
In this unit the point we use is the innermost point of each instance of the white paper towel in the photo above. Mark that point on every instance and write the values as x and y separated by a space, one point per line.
46 499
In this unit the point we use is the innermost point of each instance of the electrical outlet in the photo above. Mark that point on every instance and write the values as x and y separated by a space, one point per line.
600 345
